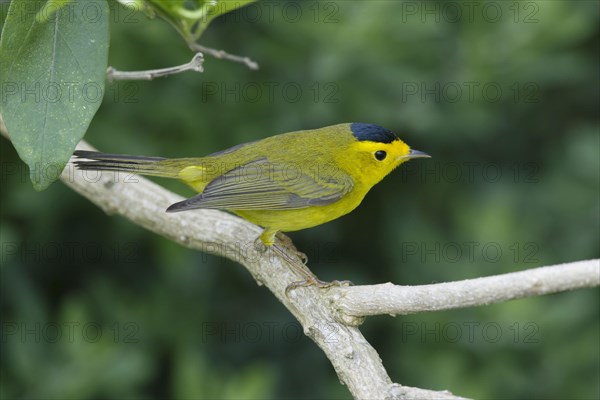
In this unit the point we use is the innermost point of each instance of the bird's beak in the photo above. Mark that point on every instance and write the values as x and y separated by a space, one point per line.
416 154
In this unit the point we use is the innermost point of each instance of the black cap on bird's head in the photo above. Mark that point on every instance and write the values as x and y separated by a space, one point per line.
372 133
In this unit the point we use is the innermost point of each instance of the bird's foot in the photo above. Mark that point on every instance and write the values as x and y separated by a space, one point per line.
288 246
260 246
284 247
310 278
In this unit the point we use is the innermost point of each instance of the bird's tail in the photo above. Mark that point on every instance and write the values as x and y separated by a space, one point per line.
155 166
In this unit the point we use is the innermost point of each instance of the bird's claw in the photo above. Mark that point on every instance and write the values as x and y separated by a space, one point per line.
259 246
289 246
286 249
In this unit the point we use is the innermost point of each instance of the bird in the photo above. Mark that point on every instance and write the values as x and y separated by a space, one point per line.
283 183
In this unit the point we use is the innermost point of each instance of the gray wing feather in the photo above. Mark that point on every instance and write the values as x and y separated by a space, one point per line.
261 185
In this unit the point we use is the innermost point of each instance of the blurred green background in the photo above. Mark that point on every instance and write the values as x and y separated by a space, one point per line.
503 95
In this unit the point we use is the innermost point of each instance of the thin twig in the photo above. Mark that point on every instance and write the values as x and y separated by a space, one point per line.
194 65
360 301
224 55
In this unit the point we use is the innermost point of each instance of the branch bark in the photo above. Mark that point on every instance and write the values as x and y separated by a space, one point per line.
360 301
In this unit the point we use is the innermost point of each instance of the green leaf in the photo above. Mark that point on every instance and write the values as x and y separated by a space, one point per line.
52 80
191 18
48 9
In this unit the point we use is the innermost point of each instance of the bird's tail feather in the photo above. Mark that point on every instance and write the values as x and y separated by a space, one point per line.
155 166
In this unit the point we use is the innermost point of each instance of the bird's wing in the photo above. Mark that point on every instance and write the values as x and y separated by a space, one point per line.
263 185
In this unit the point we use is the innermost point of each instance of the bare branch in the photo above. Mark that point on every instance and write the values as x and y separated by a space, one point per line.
360 301
194 65
224 55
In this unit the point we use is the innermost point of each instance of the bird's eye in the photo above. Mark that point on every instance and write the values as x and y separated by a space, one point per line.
380 155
